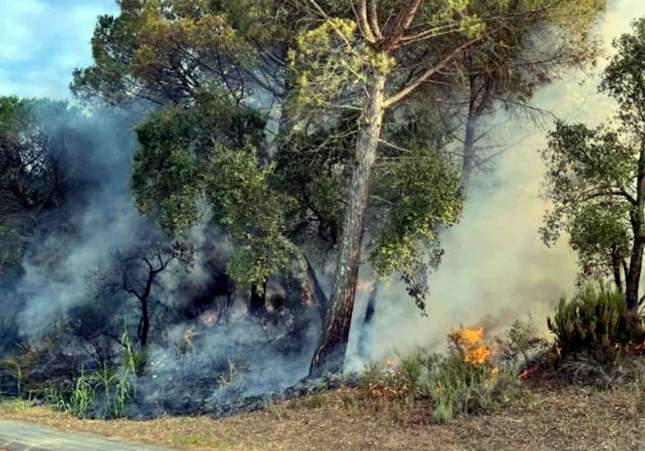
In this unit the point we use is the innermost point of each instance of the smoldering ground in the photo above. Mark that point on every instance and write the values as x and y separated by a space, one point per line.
70 289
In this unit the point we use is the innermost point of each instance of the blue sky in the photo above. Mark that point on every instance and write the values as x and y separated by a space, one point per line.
42 41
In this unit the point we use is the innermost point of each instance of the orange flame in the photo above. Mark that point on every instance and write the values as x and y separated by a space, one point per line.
470 343
478 355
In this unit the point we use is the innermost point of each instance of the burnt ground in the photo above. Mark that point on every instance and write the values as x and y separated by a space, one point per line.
547 417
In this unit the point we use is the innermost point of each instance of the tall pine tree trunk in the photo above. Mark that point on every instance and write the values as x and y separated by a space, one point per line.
469 149
330 354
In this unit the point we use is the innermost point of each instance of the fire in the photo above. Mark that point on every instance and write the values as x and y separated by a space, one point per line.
470 342
478 355
363 285
641 347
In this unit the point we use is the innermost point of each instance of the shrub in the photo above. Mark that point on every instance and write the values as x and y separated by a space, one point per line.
523 342
595 322
464 381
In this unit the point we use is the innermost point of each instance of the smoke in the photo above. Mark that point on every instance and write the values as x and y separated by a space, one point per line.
76 240
194 362
495 268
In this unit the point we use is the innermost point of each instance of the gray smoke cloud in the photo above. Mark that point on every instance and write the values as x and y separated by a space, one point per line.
496 268
58 267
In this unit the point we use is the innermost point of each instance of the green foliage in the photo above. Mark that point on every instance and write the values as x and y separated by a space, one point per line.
253 214
624 80
424 194
601 235
593 175
14 113
165 178
164 51
596 322
457 387
204 155
522 340
176 145
331 64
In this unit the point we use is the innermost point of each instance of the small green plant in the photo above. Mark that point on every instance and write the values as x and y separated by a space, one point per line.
228 375
522 340
594 322
83 396
19 367
105 392
16 405
459 387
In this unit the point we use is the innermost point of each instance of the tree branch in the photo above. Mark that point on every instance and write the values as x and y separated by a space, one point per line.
372 18
402 24
425 76
361 17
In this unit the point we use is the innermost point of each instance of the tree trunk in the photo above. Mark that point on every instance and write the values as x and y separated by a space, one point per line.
616 262
318 294
144 325
634 276
469 149
633 279
329 355
257 302
364 338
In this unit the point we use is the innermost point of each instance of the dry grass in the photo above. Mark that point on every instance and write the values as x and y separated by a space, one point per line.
563 418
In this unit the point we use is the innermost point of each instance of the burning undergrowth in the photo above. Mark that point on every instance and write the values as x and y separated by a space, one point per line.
475 375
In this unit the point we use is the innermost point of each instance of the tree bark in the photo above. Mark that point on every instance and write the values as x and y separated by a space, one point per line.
633 279
634 276
469 148
257 302
329 355
315 289
144 325
364 338
616 263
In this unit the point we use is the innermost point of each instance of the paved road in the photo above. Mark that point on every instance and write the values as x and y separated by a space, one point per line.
18 436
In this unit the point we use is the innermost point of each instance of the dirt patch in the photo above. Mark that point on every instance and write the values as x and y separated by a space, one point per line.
563 418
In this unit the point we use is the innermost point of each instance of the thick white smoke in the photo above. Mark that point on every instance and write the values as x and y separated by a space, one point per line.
496 268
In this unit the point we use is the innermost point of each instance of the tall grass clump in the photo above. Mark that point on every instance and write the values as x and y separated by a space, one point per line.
104 393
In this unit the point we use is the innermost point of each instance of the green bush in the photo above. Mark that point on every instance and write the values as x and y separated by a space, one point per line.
594 322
